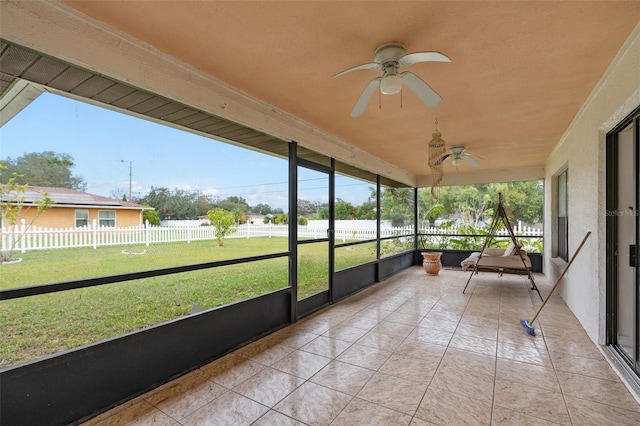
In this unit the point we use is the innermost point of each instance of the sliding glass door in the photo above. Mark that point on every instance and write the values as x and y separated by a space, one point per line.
622 228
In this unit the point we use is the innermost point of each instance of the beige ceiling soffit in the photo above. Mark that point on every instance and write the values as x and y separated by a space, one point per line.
59 31
625 49
16 98
452 177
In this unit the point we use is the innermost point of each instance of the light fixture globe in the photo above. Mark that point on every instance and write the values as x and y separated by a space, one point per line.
390 84
456 162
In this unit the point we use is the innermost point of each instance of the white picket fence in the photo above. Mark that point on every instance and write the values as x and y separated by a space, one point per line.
23 239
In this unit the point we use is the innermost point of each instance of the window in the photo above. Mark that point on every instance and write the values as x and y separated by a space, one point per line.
563 216
107 218
82 218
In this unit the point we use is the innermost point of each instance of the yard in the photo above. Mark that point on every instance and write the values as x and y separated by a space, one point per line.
37 326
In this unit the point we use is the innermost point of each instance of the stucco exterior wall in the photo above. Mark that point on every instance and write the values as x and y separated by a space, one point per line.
64 217
582 151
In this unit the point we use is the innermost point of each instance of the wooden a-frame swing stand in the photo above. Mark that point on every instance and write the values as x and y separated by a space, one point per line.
503 264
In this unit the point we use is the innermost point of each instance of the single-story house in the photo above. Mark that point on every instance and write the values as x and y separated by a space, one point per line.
73 209
255 218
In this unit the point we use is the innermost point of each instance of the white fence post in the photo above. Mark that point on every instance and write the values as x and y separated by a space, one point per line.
94 233
23 231
146 232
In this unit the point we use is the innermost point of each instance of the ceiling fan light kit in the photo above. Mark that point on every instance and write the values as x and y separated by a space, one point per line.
389 57
391 84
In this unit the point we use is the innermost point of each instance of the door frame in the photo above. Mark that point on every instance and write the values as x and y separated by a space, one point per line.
321 299
612 259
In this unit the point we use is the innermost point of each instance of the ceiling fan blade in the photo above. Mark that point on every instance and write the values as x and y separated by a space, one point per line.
369 66
469 159
414 58
365 97
422 89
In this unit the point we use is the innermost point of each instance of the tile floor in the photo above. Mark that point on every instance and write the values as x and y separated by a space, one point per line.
412 350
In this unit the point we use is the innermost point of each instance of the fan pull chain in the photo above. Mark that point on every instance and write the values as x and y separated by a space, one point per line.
379 99
401 98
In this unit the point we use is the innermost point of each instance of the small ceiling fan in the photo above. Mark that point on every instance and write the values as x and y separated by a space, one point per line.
458 155
388 58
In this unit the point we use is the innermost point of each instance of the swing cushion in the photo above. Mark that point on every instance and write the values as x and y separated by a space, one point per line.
504 262
495 258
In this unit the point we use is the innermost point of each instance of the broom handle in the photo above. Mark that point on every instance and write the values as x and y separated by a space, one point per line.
584 240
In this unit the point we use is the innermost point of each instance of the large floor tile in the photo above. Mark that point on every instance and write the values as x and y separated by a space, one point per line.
273 418
326 347
441 407
505 417
264 352
360 412
302 364
231 370
379 340
417 370
364 356
531 401
528 374
591 413
138 413
229 409
474 344
393 392
269 386
314 404
184 395
468 360
431 335
593 367
524 353
472 383
608 392
343 377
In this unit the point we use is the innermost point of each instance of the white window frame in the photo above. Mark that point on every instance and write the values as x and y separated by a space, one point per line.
110 219
76 218
562 195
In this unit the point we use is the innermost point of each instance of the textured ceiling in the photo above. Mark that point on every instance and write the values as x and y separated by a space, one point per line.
520 71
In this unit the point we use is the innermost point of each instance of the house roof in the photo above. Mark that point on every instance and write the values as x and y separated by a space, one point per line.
66 197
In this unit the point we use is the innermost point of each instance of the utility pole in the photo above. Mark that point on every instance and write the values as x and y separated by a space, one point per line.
130 175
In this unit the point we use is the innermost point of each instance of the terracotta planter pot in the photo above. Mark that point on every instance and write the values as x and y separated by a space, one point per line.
431 262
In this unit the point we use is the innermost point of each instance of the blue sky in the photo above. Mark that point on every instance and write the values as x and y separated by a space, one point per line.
104 143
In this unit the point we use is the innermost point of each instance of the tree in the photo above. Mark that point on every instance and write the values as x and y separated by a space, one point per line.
367 210
151 216
308 208
474 204
281 219
232 203
224 222
396 205
177 204
46 168
345 210
12 203
262 208
202 205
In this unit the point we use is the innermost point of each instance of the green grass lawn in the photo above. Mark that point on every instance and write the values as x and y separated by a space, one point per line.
37 326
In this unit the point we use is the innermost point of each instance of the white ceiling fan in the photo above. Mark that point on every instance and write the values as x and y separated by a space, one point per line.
458 155
388 58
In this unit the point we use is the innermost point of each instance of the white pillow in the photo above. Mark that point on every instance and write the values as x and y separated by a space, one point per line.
509 250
